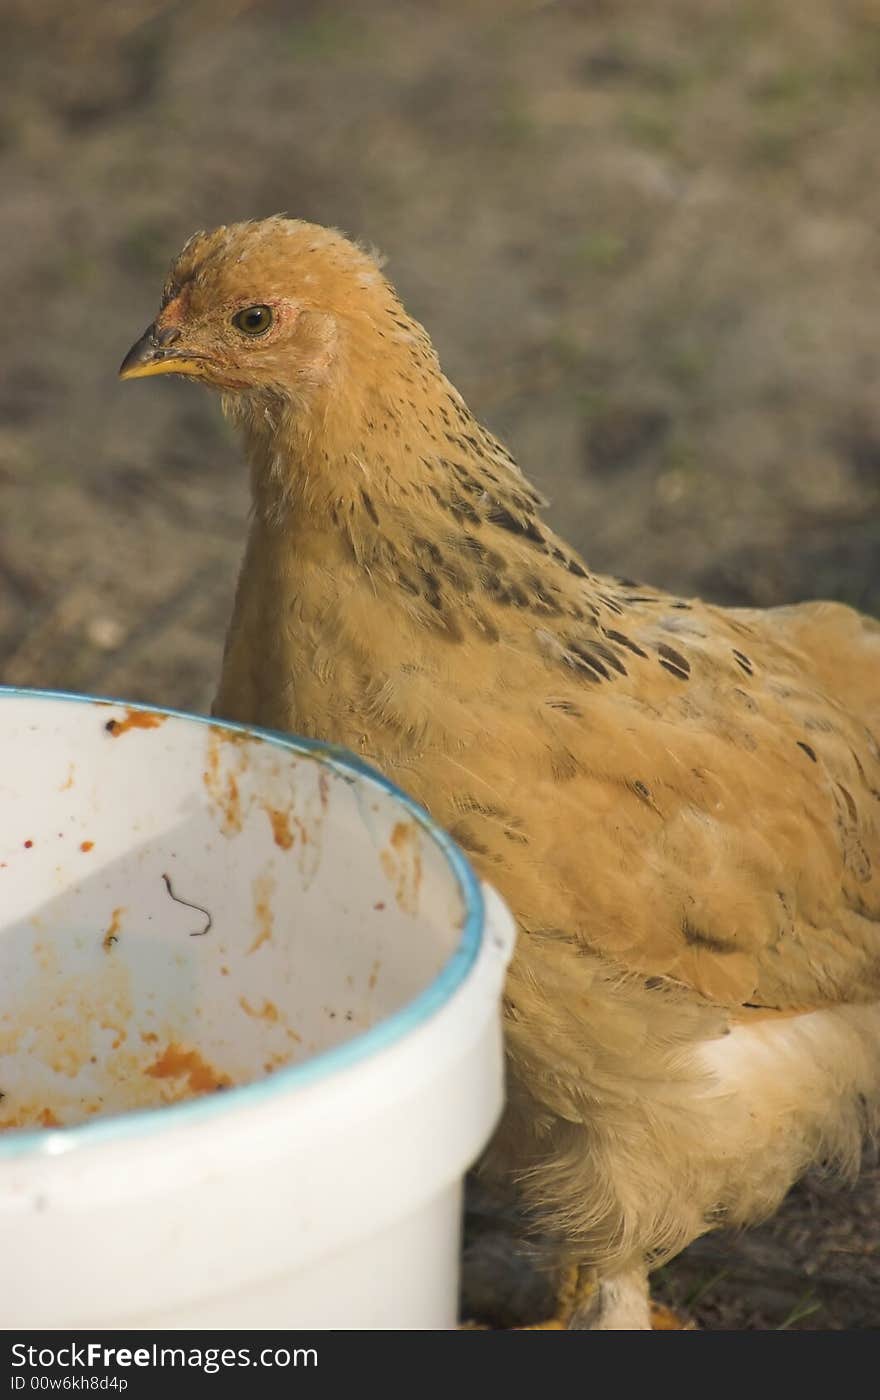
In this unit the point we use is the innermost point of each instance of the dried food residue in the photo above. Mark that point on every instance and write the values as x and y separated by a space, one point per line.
402 864
222 790
134 719
233 796
280 823
263 888
177 1063
27 1117
112 934
267 1012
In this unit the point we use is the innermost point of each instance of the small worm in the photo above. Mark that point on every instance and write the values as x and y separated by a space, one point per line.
197 933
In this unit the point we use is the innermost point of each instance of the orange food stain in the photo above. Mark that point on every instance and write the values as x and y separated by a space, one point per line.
177 1063
48 1119
112 934
225 795
267 1012
68 783
230 736
374 976
210 773
149 1037
232 804
263 912
86 846
292 1035
134 719
380 904
406 869
27 845
224 972
280 823
121 1033
400 835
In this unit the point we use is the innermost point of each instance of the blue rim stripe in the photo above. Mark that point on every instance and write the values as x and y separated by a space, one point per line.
387 1032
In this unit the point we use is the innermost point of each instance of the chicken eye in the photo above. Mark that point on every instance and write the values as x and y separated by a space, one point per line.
254 320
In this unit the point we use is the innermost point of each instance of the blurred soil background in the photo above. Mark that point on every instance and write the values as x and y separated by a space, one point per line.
645 239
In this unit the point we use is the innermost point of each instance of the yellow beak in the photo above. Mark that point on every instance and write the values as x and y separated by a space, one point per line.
147 357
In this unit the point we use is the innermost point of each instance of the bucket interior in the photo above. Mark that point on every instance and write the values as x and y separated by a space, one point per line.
186 907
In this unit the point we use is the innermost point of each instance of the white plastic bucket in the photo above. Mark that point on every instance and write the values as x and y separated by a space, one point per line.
249 1029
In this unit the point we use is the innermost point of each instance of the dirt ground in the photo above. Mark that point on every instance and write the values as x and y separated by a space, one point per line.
644 238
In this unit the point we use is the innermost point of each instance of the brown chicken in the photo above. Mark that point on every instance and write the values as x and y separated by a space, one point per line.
679 802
